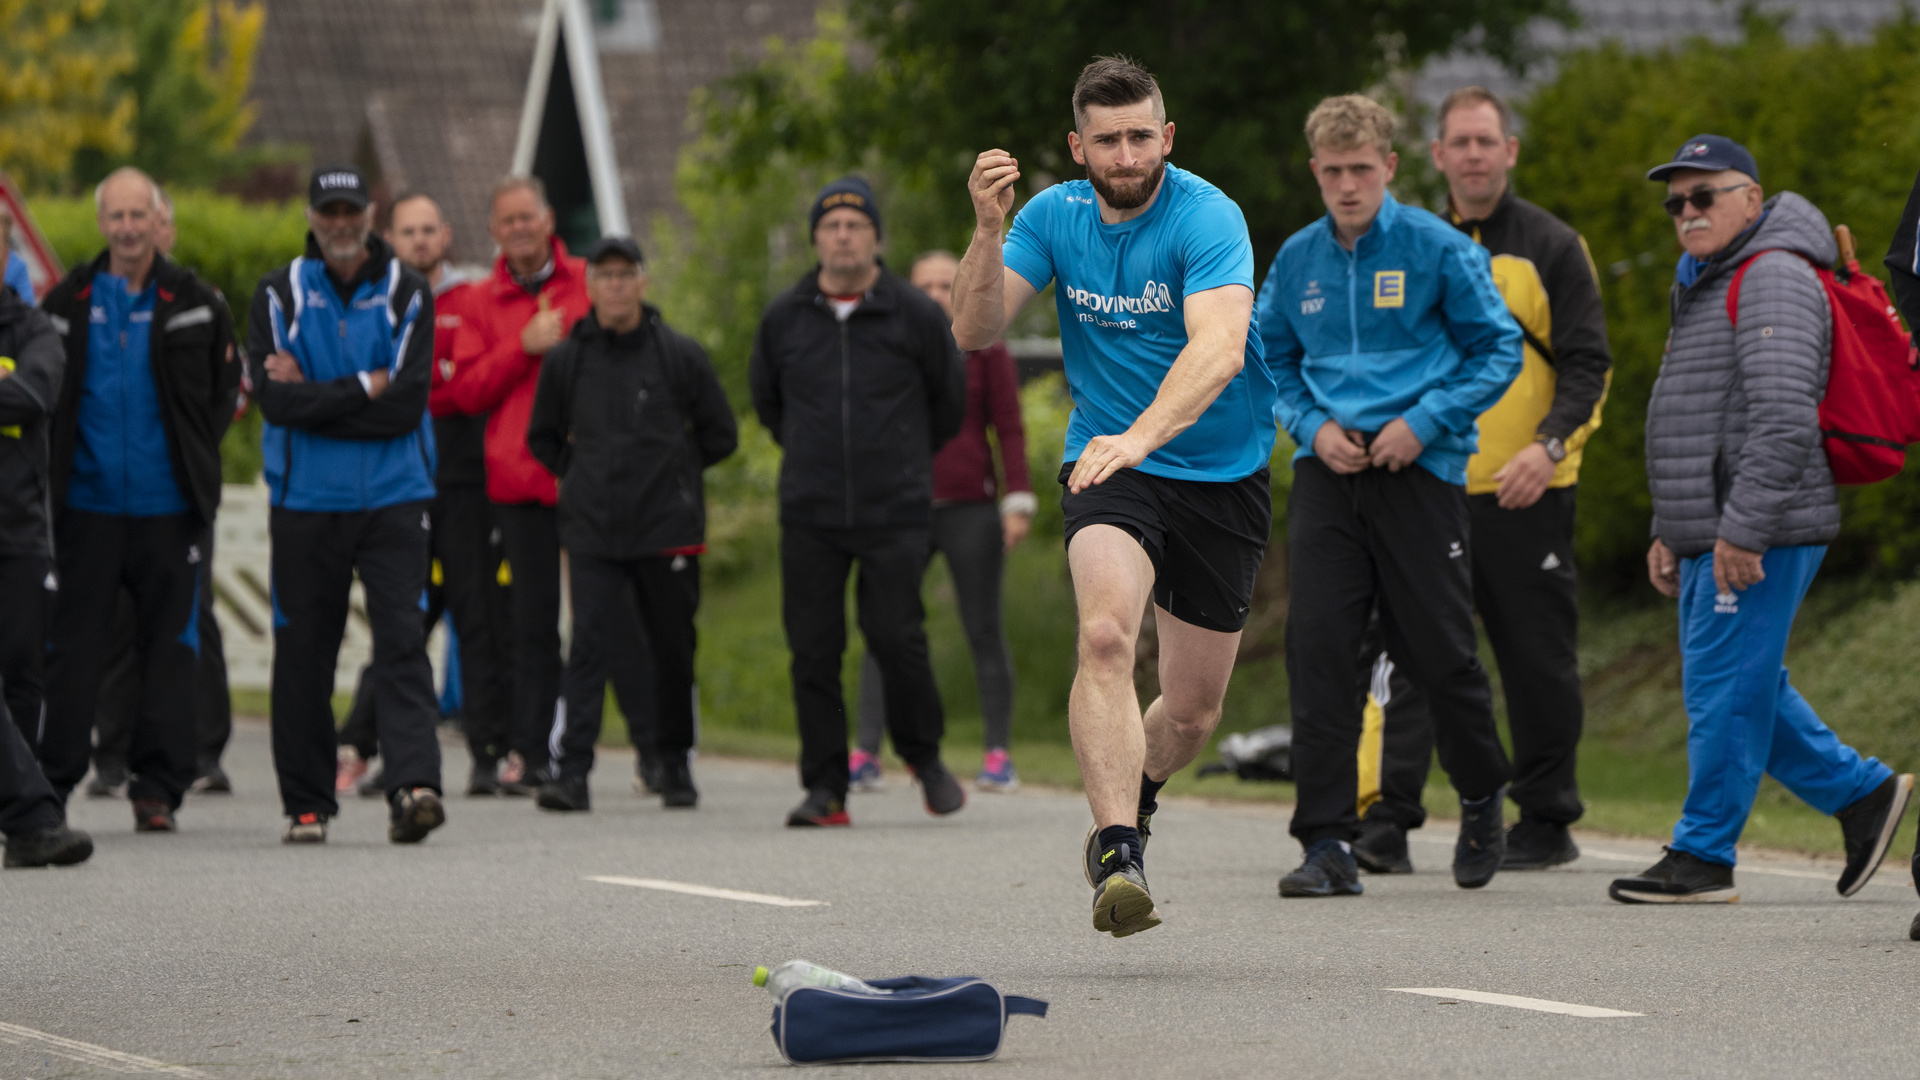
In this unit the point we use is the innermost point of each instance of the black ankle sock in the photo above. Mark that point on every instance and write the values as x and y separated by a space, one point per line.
1149 794
1114 835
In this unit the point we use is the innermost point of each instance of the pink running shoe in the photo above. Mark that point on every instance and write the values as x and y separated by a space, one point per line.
351 770
863 771
996 773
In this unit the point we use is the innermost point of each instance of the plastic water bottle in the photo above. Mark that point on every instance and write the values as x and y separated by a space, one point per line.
795 974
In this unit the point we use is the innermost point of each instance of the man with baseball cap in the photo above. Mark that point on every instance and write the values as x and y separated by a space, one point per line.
1744 506
340 346
856 375
627 415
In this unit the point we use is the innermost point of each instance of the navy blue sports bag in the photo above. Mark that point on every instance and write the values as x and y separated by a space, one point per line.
924 1019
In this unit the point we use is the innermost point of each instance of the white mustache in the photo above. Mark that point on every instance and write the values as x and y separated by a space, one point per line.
1695 223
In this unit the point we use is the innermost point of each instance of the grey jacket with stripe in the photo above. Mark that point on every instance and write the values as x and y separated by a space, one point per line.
1733 432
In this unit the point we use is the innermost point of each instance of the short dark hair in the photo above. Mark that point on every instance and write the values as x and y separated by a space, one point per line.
407 197
1469 96
1111 81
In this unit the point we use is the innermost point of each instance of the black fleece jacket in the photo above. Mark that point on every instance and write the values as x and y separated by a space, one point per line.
31 358
860 406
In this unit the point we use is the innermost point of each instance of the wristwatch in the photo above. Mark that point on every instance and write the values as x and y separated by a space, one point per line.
1556 450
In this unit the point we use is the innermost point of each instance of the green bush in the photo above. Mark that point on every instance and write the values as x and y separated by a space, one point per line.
228 242
1829 119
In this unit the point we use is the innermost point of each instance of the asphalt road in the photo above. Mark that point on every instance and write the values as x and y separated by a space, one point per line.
491 951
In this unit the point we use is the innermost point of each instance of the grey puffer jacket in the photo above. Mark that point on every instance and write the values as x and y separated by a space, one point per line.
1733 431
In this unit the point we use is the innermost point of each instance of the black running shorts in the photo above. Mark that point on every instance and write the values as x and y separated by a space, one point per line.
1205 538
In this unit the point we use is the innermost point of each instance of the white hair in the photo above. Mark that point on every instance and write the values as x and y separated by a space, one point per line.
160 202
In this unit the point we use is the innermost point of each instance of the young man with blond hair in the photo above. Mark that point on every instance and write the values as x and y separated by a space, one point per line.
1387 338
1165 488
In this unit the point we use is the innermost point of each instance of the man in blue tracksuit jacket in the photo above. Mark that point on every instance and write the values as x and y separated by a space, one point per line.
340 345
1386 337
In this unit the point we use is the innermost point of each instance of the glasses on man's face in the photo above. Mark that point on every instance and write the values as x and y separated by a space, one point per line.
1701 198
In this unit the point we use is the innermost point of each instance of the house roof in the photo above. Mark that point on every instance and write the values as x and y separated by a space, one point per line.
428 93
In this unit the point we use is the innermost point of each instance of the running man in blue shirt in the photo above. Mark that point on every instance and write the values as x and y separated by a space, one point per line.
1165 479
1387 339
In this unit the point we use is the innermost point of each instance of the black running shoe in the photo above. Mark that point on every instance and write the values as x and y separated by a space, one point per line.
676 785
1122 906
1090 865
152 815
416 812
1537 845
1483 841
646 775
1678 878
820 808
1913 931
567 794
212 780
1868 827
942 792
107 782
308 828
1328 870
484 781
1382 848
58 846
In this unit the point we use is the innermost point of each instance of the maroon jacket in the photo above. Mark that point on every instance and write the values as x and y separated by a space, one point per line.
963 469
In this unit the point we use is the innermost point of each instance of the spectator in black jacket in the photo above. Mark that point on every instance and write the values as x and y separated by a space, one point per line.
149 391
855 373
31 364
627 413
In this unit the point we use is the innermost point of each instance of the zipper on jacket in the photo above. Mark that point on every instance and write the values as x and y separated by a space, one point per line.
846 416
1353 306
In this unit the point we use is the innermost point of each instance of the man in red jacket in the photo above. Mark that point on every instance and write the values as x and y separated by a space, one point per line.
533 297
974 532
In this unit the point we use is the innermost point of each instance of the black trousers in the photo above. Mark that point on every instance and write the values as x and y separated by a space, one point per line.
1398 540
119 701
315 556
28 605
665 593
814 564
27 801
532 534
1527 592
160 561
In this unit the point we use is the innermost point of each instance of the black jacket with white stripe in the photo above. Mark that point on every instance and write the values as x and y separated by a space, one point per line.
196 371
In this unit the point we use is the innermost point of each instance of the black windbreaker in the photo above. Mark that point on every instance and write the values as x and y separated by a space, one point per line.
627 422
196 371
30 353
859 406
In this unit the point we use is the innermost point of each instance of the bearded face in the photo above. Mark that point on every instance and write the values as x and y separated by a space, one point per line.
1127 188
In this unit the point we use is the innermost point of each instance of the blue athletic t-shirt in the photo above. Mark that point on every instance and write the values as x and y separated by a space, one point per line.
1122 321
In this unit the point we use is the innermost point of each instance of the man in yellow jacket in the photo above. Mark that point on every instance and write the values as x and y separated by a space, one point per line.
1520 491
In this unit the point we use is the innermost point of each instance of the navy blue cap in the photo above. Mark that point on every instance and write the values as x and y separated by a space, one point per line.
338 183
608 247
848 191
1708 153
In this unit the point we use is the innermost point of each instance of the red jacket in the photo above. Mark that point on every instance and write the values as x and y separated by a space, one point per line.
963 469
451 308
493 375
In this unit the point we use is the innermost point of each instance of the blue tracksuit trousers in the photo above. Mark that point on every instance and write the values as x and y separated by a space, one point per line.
1743 716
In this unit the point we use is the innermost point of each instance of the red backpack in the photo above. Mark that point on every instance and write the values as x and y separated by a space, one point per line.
1872 407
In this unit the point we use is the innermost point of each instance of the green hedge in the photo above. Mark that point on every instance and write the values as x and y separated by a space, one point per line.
228 242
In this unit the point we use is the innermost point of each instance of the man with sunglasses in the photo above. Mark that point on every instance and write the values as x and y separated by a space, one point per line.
1743 508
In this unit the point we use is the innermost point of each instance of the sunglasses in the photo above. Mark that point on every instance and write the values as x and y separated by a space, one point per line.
1702 199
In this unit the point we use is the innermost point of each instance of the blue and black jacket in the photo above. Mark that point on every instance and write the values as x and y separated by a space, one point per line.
1407 325
327 445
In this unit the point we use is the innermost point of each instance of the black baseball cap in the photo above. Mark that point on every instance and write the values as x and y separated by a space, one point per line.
1709 153
610 246
338 183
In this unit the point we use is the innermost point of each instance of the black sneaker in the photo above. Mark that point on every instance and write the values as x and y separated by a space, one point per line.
1483 841
416 812
1868 827
1328 870
1382 848
819 808
943 793
1090 865
212 780
1913 931
1122 906
1536 845
108 781
308 828
676 785
152 815
58 846
647 775
484 781
567 794
1678 878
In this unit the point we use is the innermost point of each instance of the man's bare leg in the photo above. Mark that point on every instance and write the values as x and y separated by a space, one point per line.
1112 581
1195 664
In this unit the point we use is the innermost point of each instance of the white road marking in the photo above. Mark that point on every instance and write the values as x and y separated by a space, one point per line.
1512 1001
706 890
1773 871
89 1054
